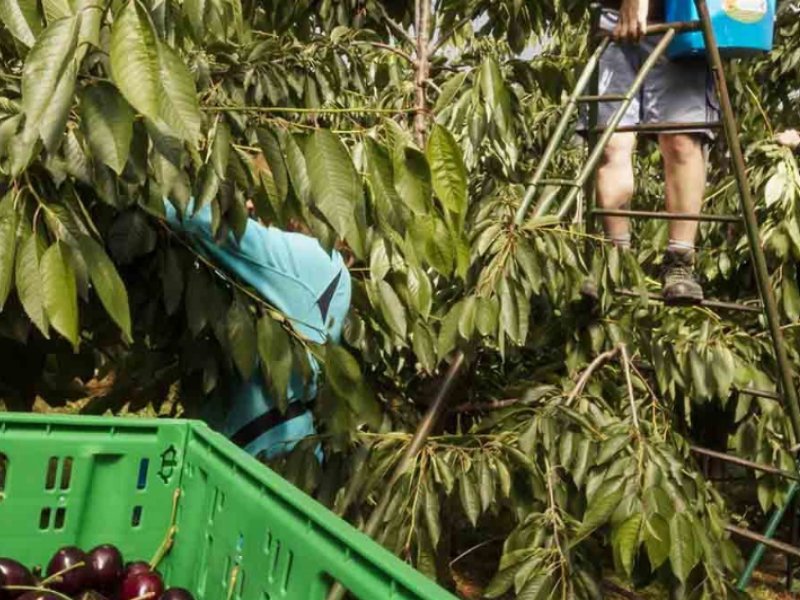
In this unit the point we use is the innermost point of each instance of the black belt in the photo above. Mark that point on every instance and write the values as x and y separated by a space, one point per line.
270 419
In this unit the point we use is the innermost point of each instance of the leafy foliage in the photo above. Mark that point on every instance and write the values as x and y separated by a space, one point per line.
307 110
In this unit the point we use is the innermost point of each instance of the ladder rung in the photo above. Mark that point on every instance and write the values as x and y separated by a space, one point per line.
666 216
659 28
601 98
564 182
707 303
760 393
663 127
745 463
757 537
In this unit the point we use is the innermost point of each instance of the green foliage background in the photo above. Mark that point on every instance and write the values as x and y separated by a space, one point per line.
109 106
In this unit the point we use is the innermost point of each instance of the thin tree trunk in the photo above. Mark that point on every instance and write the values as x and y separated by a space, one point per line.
422 19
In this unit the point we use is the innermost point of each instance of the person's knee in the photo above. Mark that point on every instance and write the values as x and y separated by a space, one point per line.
619 151
681 149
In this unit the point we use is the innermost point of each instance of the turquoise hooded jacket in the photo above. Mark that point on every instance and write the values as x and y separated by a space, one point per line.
308 284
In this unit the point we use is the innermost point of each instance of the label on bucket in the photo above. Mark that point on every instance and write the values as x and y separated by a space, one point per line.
745 11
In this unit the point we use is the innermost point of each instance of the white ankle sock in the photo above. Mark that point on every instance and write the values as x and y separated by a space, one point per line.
621 241
679 246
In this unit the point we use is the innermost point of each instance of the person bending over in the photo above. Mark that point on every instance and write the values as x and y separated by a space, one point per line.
309 285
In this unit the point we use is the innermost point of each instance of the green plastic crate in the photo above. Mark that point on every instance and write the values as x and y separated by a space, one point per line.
91 480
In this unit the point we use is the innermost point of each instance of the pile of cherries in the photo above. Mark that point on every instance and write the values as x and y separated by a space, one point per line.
99 574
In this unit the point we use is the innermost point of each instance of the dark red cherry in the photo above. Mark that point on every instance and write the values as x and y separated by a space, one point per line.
105 566
75 579
141 585
138 566
177 593
15 573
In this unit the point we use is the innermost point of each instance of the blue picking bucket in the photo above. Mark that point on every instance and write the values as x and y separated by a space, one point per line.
743 27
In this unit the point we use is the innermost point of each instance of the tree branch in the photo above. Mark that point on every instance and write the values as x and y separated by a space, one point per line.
626 362
607 355
394 25
390 49
434 47
468 407
422 18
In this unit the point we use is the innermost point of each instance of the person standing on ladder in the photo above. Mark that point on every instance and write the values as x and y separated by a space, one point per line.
674 92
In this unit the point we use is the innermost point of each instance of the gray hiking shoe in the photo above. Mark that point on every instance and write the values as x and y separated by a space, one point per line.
680 284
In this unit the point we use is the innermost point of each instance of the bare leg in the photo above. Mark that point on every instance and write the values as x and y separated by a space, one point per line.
615 183
685 175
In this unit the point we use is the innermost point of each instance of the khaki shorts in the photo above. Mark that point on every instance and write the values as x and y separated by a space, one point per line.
674 91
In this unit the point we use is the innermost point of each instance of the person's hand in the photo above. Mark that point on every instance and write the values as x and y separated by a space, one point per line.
789 138
632 21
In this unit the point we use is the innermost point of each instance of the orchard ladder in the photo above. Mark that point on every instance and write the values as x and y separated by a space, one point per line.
598 139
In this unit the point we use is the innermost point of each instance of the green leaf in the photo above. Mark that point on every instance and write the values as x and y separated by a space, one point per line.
486 316
60 292
178 106
221 148
431 508
8 245
48 80
448 333
172 281
130 237
449 91
392 309
626 541
381 181
335 186
514 310
107 283
466 324
486 484
197 293
496 95
242 338
470 500
602 505
502 582
134 59
209 187
56 9
297 169
195 10
682 553
54 119
343 373
790 297
274 157
107 122
22 19
423 346
420 290
29 283
412 178
448 173
656 540
275 353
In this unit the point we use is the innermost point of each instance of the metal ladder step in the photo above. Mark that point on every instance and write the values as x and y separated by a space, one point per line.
660 28
746 533
665 216
744 463
707 303
760 393
606 98
661 127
